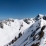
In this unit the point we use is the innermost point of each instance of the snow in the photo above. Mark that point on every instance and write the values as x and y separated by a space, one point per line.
26 36
11 29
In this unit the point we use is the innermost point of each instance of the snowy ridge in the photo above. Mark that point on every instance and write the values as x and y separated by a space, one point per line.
24 32
9 29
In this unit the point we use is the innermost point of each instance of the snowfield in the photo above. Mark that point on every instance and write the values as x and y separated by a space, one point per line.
24 32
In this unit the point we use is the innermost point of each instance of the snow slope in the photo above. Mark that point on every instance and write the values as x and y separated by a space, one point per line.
24 32
9 29
35 35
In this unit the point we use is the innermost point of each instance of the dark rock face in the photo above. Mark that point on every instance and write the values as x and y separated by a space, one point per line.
1 25
13 41
20 34
44 17
37 44
40 35
21 26
36 18
26 20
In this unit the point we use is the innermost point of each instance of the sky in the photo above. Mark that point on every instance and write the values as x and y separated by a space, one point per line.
19 9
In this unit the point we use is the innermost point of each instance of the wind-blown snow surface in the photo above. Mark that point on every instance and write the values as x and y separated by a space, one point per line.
24 32
10 29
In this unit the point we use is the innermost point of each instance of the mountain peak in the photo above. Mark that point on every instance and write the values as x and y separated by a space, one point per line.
40 14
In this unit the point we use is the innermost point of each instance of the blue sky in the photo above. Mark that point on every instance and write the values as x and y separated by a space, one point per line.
21 8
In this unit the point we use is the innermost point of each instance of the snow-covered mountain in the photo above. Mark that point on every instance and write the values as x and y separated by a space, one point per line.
24 32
